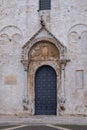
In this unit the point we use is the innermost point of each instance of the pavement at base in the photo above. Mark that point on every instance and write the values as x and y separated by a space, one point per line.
45 127
36 128
43 122
28 127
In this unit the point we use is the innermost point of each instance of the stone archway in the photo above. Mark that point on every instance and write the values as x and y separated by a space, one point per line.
42 53
43 49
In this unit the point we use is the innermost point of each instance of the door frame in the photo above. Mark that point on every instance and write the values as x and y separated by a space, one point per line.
31 82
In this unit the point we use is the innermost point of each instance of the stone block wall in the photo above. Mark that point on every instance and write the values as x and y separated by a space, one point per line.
19 21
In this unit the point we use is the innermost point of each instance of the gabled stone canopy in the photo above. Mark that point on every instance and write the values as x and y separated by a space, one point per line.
42 35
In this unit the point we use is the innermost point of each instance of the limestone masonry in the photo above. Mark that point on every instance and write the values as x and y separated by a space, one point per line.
33 41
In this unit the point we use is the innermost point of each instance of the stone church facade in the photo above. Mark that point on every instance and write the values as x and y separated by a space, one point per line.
43 57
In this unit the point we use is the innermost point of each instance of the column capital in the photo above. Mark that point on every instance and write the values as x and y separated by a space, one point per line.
64 61
25 64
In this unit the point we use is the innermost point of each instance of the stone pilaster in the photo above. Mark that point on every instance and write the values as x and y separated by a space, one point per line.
62 96
25 98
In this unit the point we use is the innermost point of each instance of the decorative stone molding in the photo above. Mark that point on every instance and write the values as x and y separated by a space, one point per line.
77 33
42 35
10 33
43 49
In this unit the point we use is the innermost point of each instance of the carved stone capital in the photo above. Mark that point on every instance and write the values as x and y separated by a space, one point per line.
64 61
62 103
25 64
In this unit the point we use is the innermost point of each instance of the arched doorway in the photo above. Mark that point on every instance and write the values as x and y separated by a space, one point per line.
45 91
43 49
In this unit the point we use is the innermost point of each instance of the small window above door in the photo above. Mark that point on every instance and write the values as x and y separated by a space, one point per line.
44 4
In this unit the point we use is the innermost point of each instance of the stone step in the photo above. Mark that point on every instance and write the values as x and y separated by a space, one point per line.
44 120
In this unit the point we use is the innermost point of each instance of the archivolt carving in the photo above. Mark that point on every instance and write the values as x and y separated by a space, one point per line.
11 33
26 49
44 51
77 33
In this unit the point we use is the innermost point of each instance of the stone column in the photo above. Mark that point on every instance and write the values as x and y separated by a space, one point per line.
25 98
62 96
25 84
63 82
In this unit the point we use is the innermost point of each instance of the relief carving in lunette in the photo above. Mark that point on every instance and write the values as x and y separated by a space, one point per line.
44 51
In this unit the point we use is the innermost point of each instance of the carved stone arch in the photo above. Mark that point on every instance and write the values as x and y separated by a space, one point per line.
43 35
32 68
61 48
26 50
48 64
43 49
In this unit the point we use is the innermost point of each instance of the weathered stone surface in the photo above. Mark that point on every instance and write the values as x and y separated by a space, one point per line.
10 80
63 39
44 51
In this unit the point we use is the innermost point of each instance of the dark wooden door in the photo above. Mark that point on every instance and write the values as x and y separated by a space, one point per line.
45 91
